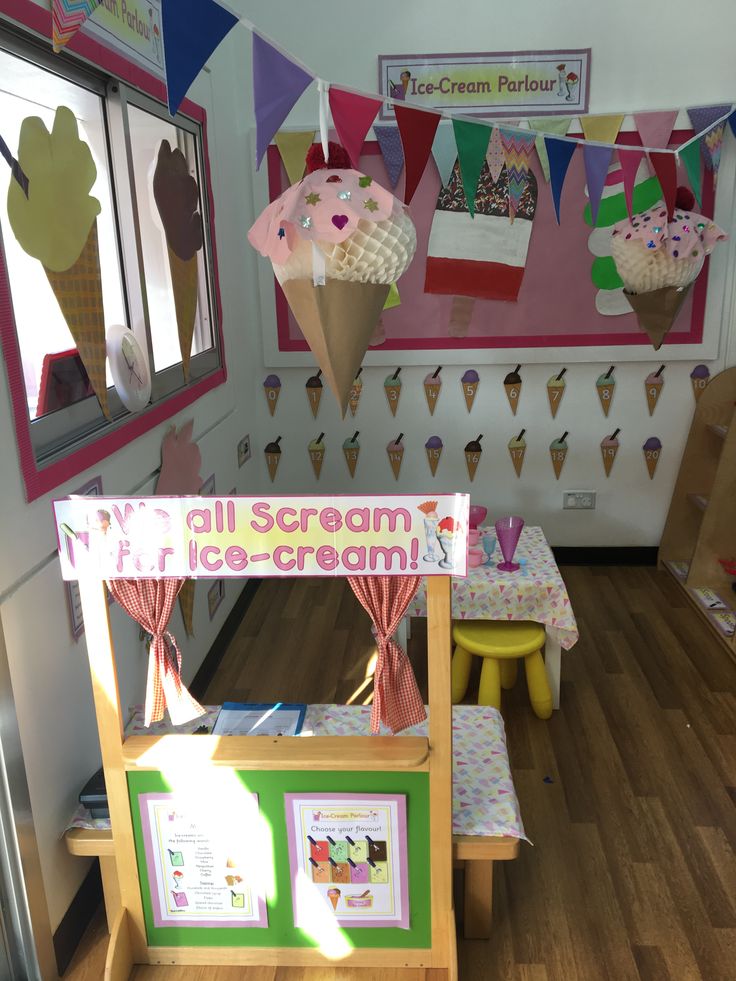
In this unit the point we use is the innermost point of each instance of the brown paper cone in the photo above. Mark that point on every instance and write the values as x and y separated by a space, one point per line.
334 899
337 321
395 457
554 396
558 461
354 398
605 394
469 390
472 459
652 459
393 395
273 460
513 393
78 291
272 398
351 458
432 393
657 310
653 390
317 456
186 605
461 315
699 386
608 453
184 284
433 458
315 397
517 455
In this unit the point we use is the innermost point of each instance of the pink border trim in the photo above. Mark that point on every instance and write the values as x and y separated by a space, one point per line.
634 338
39 481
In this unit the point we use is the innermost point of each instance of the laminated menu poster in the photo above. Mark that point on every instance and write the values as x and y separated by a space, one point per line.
204 862
348 854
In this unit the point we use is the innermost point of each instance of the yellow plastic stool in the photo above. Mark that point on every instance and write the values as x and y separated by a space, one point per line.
501 643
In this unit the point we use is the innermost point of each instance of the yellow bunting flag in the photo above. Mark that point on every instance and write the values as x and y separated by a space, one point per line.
557 126
603 129
293 149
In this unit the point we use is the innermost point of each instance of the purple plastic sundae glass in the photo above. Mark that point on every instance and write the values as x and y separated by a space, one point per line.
508 531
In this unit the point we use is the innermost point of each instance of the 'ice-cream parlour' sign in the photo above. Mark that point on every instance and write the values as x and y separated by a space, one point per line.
229 537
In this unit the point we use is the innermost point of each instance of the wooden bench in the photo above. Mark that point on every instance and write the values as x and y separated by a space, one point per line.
475 855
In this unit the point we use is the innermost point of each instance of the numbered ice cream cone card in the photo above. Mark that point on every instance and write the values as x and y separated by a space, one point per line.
433 448
699 377
272 390
555 391
652 450
469 382
653 385
512 387
395 451
609 449
432 386
273 458
351 451
558 454
314 389
473 452
517 451
316 450
356 389
392 388
605 386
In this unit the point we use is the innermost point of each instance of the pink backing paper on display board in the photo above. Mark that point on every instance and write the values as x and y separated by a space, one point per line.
556 304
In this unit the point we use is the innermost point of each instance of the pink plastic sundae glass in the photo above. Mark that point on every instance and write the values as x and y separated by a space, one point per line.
508 531
477 515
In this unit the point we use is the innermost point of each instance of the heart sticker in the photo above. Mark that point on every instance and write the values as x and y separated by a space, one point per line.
340 221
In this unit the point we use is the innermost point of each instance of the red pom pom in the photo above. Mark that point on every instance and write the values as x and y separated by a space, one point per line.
685 199
338 158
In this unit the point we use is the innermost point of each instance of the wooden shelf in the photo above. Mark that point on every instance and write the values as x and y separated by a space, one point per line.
729 643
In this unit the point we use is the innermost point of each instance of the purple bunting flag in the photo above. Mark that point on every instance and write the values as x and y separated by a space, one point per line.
389 140
277 85
597 160
559 154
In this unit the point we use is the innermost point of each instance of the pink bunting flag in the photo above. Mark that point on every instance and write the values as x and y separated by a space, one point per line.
629 160
495 157
665 167
655 128
353 116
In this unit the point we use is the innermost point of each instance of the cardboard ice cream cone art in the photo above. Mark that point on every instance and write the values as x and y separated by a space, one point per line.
657 310
433 448
609 449
517 452
699 377
469 382
392 388
473 452
432 387
653 385
186 605
316 450
314 392
606 386
512 386
395 451
356 390
555 391
351 451
334 897
272 390
652 450
558 454
273 458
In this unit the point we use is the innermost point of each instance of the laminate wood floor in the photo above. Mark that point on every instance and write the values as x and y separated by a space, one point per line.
628 792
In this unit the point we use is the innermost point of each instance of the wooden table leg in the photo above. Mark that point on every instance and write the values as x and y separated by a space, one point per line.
553 665
478 899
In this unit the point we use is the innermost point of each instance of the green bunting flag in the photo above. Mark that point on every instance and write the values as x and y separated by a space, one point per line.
691 157
472 143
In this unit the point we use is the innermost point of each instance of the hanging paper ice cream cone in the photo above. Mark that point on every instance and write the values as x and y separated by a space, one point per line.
432 387
512 386
273 458
186 605
433 448
657 310
558 454
699 377
555 390
395 451
272 390
473 452
469 382
392 388
653 385
314 392
78 291
606 386
351 450
356 391
609 449
652 450
517 452
317 454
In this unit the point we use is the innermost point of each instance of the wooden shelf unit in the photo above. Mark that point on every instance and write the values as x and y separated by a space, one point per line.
701 522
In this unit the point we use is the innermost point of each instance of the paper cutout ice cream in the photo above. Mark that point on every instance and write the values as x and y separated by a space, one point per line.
473 451
606 386
395 451
431 520
273 458
56 223
356 390
517 451
334 897
659 259
653 386
555 390
314 392
176 194
432 387
392 388
317 454
351 451
272 390
433 448
652 450
699 376
337 241
512 386
558 454
470 381
609 449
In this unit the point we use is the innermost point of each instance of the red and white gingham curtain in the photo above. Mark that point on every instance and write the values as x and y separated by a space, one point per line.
396 699
150 602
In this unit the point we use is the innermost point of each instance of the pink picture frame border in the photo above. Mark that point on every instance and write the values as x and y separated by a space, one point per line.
39 481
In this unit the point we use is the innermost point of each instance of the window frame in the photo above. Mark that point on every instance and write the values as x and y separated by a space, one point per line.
119 83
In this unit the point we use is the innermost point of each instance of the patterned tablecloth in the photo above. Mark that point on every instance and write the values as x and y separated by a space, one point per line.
484 798
536 592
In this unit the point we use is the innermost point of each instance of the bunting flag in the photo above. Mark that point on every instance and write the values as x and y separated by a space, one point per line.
559 154
597 160
353 116
702 118
495 156
293 149
665 167
554 125
191 30
690 156
67 16
713 141
655 128
389 140
444 151
277 84
603 129
517 148
630 160
417 129
732 122
472 143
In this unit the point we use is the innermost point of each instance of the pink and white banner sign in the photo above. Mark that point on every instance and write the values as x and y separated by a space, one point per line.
230 537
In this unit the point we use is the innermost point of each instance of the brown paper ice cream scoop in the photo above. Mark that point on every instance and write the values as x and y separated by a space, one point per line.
177 198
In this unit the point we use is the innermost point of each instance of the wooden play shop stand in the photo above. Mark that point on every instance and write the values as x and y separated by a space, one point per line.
419 769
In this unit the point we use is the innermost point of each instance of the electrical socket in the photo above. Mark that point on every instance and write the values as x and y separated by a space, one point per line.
579 500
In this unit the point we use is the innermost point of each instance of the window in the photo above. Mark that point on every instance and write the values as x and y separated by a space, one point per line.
124 129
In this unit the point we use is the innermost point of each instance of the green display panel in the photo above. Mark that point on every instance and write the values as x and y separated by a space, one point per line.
280 931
